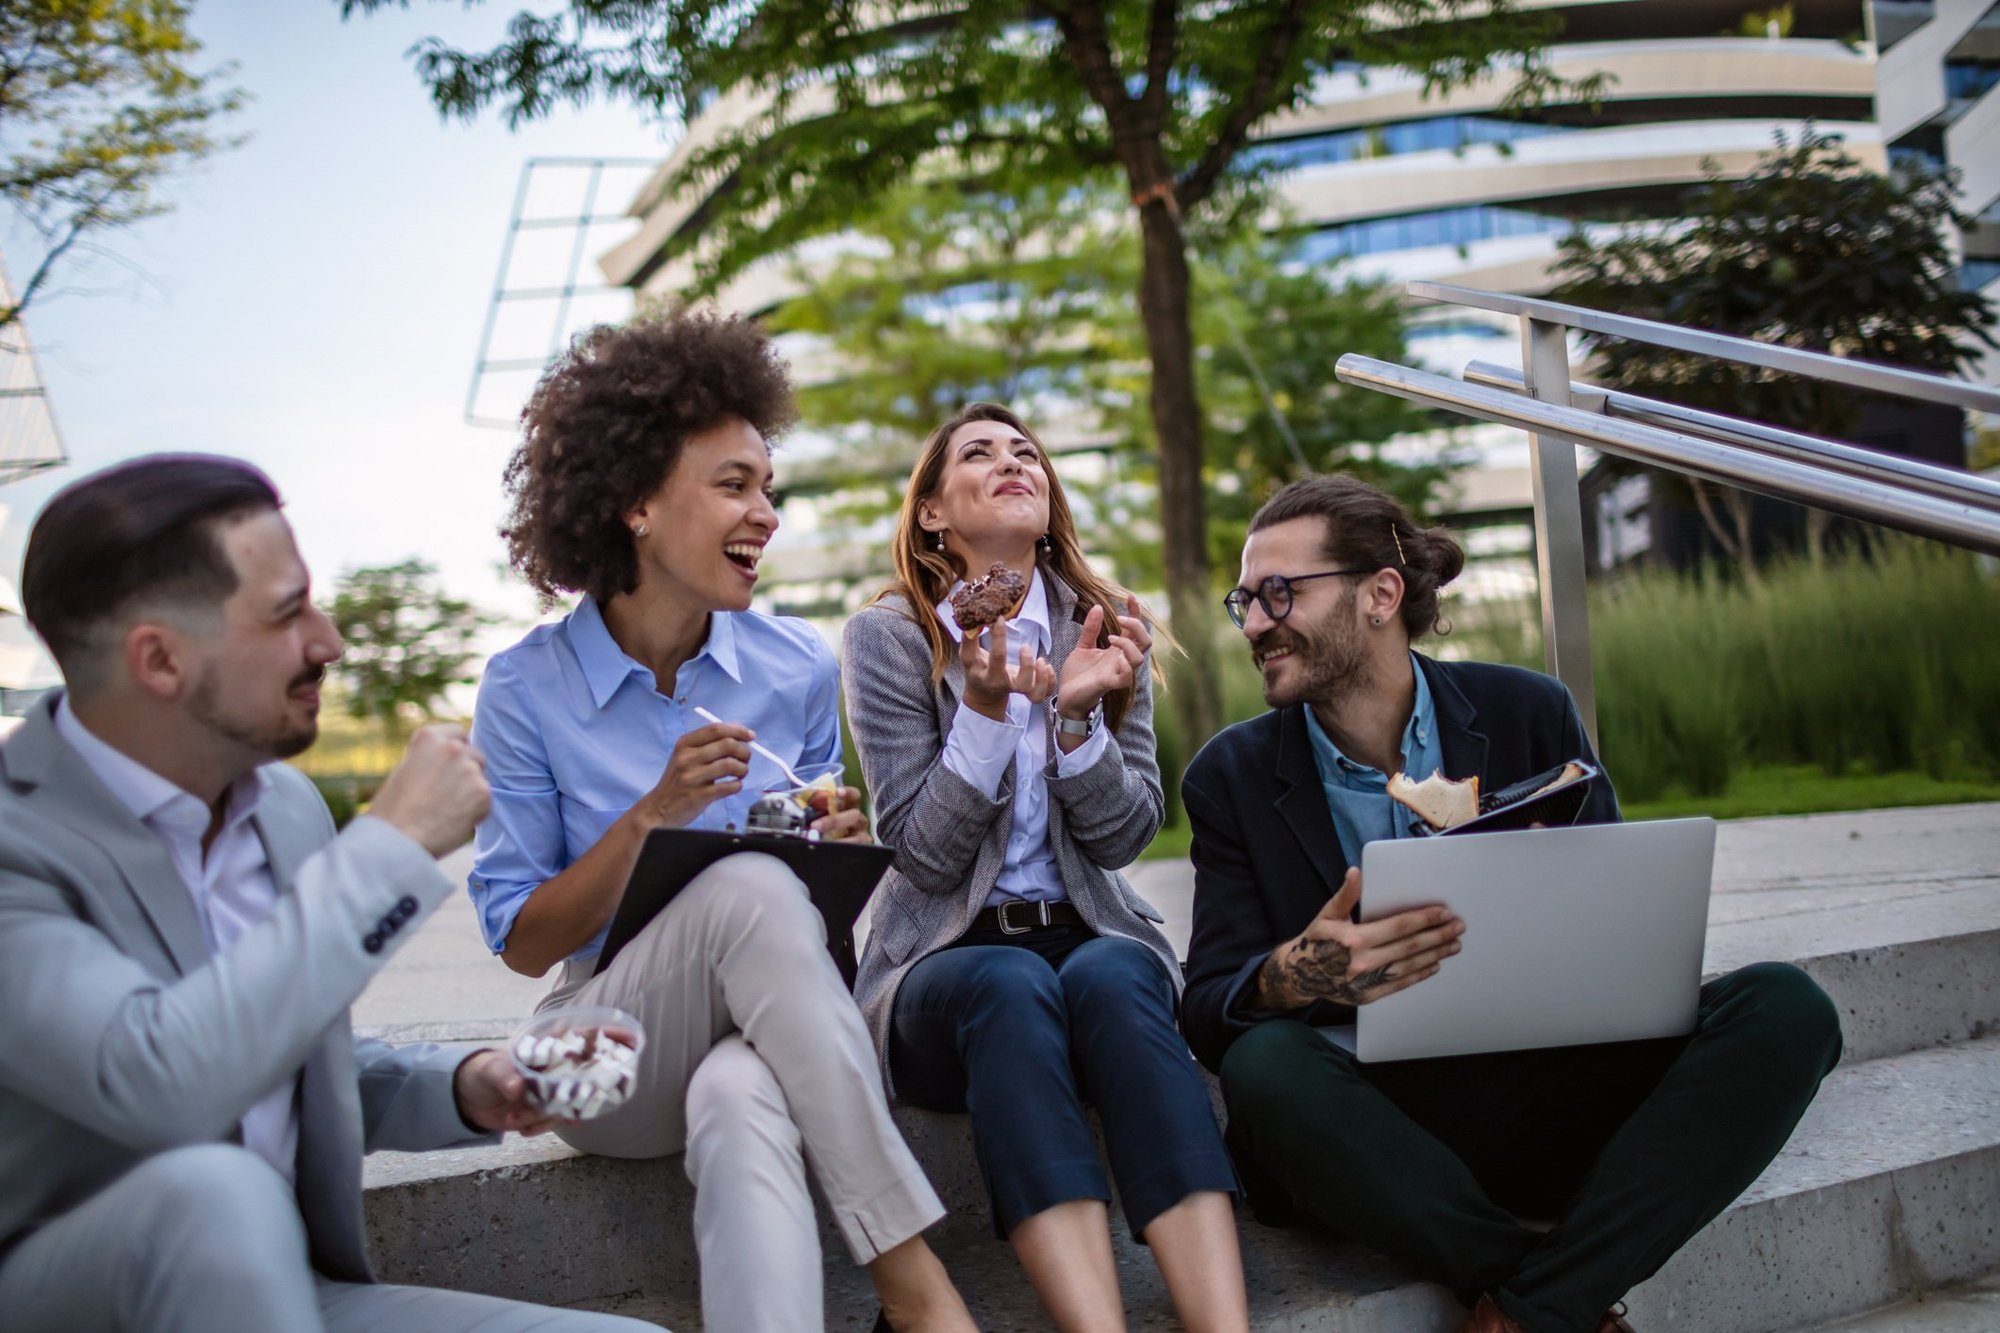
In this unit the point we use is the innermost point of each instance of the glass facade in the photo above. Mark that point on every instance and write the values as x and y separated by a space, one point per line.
1412 136
1414 231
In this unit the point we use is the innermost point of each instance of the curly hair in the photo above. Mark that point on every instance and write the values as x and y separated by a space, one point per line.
605 427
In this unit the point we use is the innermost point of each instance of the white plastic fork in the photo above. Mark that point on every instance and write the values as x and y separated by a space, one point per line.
797 781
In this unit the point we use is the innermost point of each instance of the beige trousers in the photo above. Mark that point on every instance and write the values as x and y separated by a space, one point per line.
758 1065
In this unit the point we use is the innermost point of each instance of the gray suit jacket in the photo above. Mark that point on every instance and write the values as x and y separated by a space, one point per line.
123 1037
950 840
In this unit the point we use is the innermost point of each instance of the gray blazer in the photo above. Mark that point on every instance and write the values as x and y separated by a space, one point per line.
950 840
122 1036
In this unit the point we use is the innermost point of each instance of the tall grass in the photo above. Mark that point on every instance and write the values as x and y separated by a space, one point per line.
1883 665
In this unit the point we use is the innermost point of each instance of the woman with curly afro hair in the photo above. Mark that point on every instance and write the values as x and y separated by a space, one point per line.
643 483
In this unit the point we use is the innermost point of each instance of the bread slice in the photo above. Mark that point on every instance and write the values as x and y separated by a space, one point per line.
1437 800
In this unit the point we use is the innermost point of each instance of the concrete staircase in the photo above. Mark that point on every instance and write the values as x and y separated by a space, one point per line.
1889 1188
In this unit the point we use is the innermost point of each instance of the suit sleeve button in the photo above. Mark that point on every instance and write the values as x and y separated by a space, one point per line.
372 943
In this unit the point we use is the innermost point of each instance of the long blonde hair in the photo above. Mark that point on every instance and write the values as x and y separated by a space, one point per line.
924 574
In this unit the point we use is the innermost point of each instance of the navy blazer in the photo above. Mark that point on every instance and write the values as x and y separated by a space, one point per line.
1266 857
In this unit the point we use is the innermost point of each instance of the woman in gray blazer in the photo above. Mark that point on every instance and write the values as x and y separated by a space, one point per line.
1010 970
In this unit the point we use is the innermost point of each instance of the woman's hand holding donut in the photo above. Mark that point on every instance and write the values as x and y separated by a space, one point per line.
990 677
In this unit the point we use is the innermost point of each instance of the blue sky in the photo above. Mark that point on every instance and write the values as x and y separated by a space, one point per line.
315 301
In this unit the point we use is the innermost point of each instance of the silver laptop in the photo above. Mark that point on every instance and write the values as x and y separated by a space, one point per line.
1572 936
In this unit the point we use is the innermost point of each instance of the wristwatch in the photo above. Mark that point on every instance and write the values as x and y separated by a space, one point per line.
1066 726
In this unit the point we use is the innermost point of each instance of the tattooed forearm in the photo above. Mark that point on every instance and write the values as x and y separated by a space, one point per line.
1306 970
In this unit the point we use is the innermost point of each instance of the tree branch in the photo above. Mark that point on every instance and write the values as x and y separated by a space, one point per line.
1089 47
1162 35
1286 30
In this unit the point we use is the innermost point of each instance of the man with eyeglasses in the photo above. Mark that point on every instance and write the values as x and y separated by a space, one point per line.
1631 1147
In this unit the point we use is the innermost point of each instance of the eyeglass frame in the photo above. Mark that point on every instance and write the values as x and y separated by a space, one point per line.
1238 609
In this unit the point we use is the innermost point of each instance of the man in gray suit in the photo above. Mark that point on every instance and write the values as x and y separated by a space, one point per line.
181 934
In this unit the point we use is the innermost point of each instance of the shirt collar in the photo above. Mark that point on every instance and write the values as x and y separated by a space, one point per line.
138 788
606 666
1417 733
1034 609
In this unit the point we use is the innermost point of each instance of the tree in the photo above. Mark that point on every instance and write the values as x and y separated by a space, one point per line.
1812 250
1024 295
407 642
1159 97
100 102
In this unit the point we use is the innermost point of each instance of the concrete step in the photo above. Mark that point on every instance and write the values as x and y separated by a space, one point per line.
1888 1188
1973 1307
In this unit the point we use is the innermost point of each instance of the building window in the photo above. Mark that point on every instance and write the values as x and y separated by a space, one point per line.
1414 231
1413 136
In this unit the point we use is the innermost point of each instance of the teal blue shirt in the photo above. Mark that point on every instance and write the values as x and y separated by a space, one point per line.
1358 795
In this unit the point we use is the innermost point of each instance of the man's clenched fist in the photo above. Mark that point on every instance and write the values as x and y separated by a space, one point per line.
438 794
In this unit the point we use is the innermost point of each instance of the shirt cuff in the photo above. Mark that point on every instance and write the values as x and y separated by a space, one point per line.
1084 755
980 749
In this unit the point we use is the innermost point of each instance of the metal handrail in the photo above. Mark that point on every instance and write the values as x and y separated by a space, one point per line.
1726 347
1807 483
1846 459
1825 474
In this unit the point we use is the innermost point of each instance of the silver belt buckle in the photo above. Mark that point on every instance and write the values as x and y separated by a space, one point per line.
1041 910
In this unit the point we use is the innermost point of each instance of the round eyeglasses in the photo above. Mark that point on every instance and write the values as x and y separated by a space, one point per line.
1274 594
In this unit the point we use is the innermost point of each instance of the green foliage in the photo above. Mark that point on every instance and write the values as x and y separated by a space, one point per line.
1023 296
950 295
1800 789
342 797
830 105
100 102
407 642
1810 250
851 100
1773 22
1882 665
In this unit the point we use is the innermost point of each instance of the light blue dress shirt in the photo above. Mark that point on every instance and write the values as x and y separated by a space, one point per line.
1358 795
574 733
980 751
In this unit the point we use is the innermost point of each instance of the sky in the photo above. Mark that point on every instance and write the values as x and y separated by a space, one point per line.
314 303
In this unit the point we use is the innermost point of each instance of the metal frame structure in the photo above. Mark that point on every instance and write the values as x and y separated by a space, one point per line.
1559 415
563 293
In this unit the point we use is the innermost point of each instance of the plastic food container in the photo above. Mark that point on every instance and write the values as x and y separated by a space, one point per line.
579 1062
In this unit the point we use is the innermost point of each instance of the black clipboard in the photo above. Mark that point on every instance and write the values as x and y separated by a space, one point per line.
839 875
1523 803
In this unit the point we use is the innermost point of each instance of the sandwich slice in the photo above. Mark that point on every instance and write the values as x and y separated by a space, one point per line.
1437 800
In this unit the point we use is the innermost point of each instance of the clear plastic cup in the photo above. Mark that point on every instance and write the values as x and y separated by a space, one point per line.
579 1061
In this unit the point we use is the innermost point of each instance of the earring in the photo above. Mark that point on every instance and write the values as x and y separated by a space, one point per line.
1377 622
639 529
1046 544
940 541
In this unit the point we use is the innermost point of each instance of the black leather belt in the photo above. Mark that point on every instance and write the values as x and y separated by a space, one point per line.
1021 916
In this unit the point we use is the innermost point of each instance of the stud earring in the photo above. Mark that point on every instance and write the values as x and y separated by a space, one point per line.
639 529
1378 622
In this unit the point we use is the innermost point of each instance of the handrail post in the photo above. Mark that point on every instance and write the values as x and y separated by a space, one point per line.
1559 524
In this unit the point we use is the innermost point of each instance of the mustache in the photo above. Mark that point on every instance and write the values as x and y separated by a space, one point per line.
311 676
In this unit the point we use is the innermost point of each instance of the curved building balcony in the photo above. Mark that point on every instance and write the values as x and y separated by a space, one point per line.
1813 76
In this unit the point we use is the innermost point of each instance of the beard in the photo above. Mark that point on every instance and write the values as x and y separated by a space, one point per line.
274 739
1327 660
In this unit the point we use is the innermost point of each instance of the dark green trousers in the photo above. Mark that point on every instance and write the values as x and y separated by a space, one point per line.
1631 1148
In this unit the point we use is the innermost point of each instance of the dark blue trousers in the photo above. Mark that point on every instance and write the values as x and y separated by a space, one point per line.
1021 1030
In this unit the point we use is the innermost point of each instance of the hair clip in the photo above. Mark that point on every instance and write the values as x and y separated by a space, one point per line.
1401 559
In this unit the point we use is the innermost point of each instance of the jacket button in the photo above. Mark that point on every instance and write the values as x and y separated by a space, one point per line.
406 908
372 943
